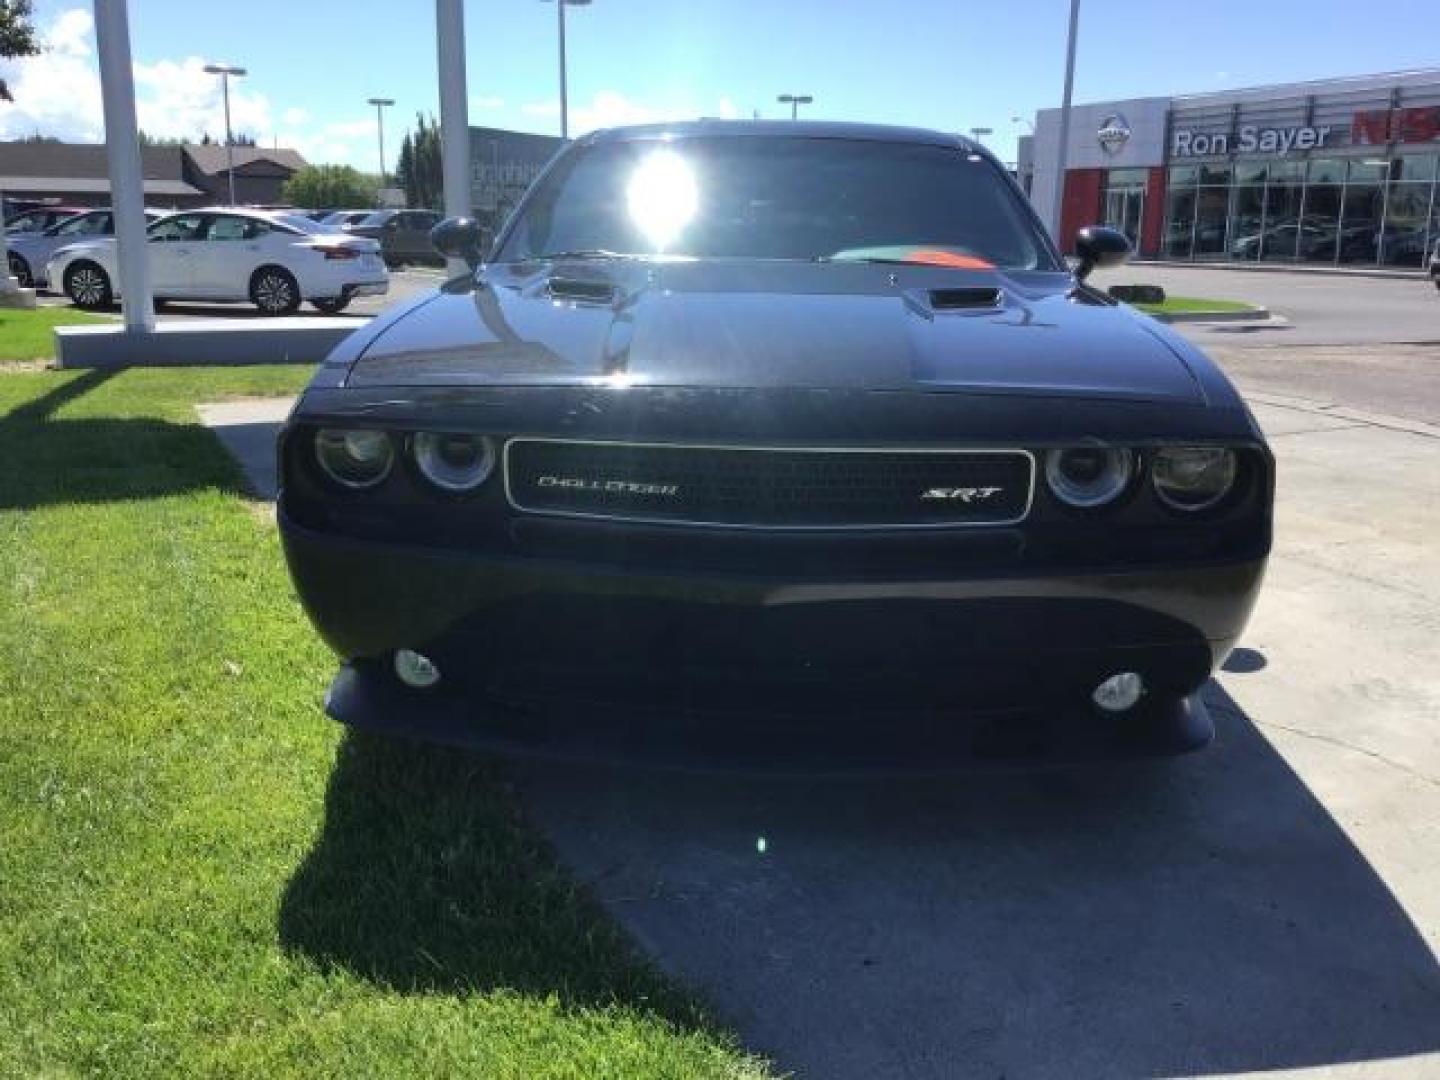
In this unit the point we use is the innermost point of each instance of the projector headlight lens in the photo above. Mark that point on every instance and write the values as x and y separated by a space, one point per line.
354 458
1193 477
1089 476
454 463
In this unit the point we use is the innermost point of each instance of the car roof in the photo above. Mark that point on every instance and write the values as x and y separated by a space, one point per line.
776 129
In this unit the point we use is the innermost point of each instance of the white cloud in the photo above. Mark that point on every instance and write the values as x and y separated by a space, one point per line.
58 94
486 103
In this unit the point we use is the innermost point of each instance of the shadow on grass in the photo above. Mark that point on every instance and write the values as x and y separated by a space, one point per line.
424 880
103 459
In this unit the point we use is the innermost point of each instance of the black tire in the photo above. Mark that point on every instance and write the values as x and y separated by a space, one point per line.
88 286
330 305
20 271
274 290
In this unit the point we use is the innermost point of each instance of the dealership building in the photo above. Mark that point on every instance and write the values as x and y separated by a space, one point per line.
1339 171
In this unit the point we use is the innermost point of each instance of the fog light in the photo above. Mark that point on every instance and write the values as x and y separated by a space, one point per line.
1119 692
415 669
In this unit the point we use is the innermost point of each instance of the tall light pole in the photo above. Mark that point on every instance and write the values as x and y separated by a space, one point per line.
225 71
380 104
1017 119
1062 150
794 101
560 6
979 133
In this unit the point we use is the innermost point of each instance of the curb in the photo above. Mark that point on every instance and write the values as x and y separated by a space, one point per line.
1258 314
1418 274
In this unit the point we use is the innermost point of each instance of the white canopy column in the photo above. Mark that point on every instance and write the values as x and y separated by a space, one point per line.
127 178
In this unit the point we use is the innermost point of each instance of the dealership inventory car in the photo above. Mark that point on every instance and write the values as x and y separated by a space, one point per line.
29 254
37 219
775 444
272 259
340 220
404 235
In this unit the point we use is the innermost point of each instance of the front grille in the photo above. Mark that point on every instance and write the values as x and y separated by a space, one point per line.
769 487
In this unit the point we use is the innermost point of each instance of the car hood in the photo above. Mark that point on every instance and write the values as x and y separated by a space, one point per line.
777 324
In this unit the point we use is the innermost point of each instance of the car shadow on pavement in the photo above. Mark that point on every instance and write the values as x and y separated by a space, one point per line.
1201 915
48 461
424 880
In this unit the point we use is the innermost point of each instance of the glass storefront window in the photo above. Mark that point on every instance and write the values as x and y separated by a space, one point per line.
1327 171
1251 172
1179 222
1183 175
1282 212
1211 212
1247 221
1318 229
1367 170
1214 174
1404 241
1360 223
1413 167
1289 171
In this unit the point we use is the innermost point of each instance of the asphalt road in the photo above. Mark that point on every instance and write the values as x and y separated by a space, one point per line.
1315 309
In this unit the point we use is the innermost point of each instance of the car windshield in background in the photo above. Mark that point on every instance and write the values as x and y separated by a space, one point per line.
780 198
299 222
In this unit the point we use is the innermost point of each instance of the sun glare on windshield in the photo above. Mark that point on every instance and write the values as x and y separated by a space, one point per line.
662 197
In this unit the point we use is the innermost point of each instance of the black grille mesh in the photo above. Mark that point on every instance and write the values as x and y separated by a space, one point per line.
769 487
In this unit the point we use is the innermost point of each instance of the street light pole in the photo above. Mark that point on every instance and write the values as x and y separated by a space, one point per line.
794 101
225 71
560 6
1061 152
380 103
979 133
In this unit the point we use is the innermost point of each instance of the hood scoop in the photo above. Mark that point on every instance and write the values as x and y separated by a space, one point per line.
983 298
578 291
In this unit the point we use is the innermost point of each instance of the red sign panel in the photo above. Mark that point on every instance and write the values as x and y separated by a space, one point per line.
1376 127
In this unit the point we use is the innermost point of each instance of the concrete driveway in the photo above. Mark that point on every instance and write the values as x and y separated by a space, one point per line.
1272 903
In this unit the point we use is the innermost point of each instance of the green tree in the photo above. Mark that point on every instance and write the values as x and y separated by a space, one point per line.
418 168
330 185
17 35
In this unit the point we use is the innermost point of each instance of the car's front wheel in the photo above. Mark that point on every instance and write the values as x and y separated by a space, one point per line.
20 271
330 305
274 291
88 286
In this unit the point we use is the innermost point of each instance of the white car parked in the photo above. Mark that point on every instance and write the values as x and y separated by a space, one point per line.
272 259
31 252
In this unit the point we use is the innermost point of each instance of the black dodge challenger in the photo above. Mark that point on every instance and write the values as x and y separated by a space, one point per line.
781 445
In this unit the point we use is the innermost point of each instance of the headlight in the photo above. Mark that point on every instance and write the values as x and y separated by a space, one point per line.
354 458
1193 477
454 462
1088 476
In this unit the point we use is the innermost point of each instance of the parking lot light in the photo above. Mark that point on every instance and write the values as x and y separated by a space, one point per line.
225 71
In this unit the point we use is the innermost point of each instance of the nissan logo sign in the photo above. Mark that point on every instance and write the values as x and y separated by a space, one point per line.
1114 133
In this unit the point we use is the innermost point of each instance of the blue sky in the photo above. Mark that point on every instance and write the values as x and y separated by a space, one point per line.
949 64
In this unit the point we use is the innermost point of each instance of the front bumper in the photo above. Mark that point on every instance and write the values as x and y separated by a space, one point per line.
567 655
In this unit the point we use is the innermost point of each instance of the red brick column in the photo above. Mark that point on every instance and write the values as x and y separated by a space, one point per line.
1080 205
1154 220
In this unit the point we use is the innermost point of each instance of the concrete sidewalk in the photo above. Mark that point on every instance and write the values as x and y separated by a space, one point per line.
1272 903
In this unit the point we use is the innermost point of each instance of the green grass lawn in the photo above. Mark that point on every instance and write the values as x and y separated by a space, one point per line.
30 334
1192 304
202 875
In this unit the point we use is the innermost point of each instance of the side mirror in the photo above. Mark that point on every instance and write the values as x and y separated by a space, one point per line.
462 238
1100 246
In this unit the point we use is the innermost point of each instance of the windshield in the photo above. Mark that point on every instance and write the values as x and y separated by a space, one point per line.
779 198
